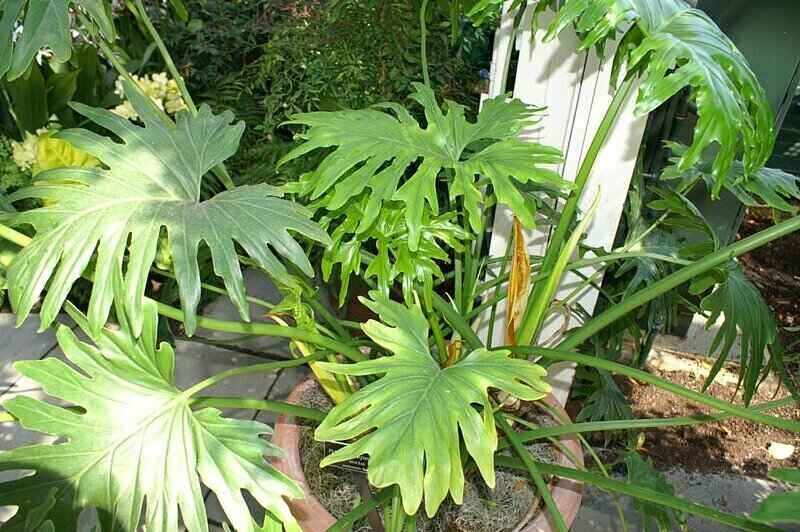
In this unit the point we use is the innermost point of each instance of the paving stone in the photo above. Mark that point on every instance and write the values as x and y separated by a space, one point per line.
195 362
280 391
726 492
258 285
23 343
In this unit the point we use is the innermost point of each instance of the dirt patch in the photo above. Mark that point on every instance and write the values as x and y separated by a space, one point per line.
732 445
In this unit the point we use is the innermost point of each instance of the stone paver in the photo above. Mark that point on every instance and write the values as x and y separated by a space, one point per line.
727 492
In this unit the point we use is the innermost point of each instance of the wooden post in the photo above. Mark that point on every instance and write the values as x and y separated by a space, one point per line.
575 87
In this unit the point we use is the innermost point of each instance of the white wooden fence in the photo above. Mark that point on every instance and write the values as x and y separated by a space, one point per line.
575 87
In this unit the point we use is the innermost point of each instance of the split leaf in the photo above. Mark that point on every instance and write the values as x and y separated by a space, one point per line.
151 181
414 419
137 445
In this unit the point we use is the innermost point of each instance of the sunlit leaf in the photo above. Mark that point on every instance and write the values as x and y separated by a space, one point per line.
387 151
151 181
414 419
136 451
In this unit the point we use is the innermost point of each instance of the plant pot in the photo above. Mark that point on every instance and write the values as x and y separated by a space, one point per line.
314 517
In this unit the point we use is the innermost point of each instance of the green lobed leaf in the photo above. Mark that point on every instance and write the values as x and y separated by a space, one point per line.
394 259
414 419
766 187
45 24
28 95
137 445
671 46
386 150
744 311
781 507
151 181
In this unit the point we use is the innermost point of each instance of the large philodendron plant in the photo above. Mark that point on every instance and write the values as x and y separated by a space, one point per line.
405 195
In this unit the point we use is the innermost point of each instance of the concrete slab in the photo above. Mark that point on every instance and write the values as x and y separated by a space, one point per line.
698 340
23 343
195 362
258 285
726 492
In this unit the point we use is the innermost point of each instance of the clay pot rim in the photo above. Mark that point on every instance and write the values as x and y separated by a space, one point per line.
314 517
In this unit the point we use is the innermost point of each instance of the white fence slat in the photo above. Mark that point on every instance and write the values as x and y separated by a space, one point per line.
575 88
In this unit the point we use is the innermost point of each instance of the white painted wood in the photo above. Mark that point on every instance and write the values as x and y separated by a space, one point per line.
575 88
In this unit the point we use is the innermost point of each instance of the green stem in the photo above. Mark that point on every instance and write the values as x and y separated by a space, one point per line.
258 404
531 320
634 424
456 321
346 522
257 329
675 389
582 263
320 309
533 471
676 279
162 48
253 329
266 329
246 370
641 493
423 25
433 319
398 514
14 236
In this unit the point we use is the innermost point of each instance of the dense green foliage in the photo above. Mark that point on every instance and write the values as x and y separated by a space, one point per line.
269 64
142 182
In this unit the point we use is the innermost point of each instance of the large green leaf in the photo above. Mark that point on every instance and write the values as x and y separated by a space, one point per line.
134 443
673 46
766 187
376 149
781 507
28 95
745 317
413 420
152 181
45 24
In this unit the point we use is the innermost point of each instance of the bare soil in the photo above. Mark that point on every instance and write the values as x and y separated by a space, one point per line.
732 445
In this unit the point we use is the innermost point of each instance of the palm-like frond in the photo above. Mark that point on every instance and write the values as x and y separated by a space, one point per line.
671 46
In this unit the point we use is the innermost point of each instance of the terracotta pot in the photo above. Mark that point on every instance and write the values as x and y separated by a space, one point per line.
314 517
